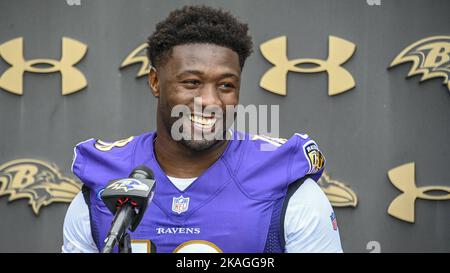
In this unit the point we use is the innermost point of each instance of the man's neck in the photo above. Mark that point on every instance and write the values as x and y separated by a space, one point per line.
177 160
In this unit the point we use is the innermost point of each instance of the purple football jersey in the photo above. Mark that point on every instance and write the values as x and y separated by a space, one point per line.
228 208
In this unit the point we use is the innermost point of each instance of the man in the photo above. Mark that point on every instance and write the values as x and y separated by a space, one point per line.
212 195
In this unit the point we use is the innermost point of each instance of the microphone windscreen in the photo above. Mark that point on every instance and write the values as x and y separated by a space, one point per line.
142 172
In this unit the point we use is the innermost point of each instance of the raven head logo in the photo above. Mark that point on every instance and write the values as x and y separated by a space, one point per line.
337 192
135 58
430 57
40 182
128 184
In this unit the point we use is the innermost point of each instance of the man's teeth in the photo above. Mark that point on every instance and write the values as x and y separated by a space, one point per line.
205 122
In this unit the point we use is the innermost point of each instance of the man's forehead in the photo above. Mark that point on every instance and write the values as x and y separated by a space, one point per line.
188 56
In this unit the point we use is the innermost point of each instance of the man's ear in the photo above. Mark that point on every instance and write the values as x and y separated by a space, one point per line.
153 82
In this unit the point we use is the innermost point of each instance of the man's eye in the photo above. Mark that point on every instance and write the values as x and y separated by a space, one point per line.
191 83
226 85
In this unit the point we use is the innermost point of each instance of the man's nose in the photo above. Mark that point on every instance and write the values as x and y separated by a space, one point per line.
210 96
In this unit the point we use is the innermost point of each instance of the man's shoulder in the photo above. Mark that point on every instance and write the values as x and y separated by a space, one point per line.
267 165
95 158
107 147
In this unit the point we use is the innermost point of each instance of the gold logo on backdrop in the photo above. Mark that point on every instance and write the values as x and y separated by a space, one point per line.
430 57
42 183
339 52
72 80
108 146
136 57
337 192
403 178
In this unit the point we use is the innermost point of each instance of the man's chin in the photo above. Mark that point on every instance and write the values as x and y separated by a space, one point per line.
199 145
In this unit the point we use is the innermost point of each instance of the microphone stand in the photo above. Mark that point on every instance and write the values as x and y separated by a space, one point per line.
128 207
118 233
125 244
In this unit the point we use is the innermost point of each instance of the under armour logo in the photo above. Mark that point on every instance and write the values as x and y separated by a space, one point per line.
339 52
72 80
403 178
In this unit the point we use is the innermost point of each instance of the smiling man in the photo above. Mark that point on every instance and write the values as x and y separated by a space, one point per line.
219 194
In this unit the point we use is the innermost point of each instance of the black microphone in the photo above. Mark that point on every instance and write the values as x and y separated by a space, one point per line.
127 199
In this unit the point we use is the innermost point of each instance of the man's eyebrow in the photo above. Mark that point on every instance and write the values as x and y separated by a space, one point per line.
189 72
200 73
230 75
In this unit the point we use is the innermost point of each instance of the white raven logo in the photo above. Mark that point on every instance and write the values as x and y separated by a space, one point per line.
128 185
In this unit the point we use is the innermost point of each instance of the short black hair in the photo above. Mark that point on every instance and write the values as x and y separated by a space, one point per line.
199 24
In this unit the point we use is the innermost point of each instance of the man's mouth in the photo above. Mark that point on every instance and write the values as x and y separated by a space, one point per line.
202 122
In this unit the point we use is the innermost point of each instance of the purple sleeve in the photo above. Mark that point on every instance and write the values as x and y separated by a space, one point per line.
96 162
307 159
79 159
